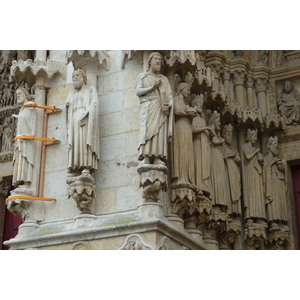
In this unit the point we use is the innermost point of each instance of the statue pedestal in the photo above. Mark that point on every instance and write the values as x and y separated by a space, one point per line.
177 221
26 228
84 220
150 210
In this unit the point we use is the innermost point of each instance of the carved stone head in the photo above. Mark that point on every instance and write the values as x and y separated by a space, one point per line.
22 95
251 135
227 133
155 62
79 78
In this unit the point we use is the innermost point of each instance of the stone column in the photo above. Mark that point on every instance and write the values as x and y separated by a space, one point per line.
261 89
216 68
249 85
226 77
239 83
4 189
41 54
91 73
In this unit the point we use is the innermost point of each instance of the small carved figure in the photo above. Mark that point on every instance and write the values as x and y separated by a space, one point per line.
6 135
183 165
23 160
289 103
218 184
10 94
82 125
201 141
253 192
156 99
232 161
275 185
263 56
152 191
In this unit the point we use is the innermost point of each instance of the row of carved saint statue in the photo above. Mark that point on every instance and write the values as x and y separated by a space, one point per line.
201 159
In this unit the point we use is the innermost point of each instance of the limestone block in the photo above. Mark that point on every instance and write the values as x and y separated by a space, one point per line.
55 183
58 95
128 197
58 56
116 173
132 141
131 99
112 147
6 168
119 122
105 201
110 103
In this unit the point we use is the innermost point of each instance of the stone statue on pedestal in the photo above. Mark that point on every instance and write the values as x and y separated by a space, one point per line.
275 185
232 161
23 160
252 160
83 141
156 101
289 104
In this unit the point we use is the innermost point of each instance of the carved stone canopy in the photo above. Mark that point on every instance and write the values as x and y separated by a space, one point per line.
80 58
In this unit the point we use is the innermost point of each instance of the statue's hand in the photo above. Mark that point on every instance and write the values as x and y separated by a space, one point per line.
165 108
156 83
84 115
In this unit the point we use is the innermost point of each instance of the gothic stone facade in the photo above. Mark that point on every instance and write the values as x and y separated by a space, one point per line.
177 149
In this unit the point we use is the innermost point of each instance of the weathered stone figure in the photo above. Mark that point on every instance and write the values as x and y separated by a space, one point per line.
201 146
23 160
289 103
232 162
218 185
275 185
82 125
156 100
183 165
6 129
253 191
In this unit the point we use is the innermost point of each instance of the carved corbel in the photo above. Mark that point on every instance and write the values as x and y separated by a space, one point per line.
183 199
153 180
255 235
278 240
82 190
204 208
218 221
231 232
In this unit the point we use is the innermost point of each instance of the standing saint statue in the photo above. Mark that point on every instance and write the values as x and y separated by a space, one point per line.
289 103
218 184
252 166
232 161
24 152
156 99
82 125
183 165
275 185
201 141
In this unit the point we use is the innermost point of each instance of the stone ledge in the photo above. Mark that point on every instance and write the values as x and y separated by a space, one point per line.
59 235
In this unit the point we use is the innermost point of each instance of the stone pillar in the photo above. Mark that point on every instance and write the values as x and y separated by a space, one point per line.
91 73
239 83
226 77
5 186
216 68
41 54
249 85
261 89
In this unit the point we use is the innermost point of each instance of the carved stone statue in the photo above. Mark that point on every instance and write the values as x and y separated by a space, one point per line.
23 160
288 102
156 100
82 125
218 185
275 185
183 165
6 130
201 146
253 192
232 161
